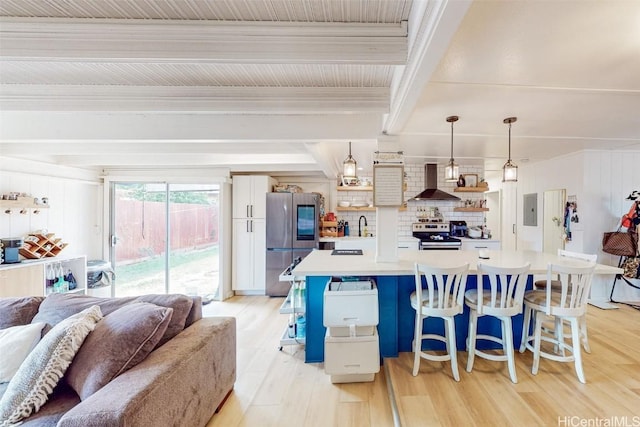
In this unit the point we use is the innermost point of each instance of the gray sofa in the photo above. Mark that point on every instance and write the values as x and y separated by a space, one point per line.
182 382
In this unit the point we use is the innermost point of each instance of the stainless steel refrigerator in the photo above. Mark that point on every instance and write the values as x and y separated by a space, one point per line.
292 231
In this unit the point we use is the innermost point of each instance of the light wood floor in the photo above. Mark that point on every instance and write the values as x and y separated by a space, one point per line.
276 388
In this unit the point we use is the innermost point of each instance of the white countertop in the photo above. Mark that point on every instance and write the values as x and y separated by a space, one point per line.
469 239
29 262
322 263
346 238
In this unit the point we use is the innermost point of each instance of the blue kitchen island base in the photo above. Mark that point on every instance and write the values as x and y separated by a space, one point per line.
397 317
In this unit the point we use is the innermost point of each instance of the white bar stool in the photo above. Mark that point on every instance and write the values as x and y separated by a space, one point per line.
502 300
569 304
443 297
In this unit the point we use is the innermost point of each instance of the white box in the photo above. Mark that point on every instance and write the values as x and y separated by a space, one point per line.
351 355
348 331
350 303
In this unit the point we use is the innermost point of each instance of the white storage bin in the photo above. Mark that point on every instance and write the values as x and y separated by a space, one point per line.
350 303
347 331
352 356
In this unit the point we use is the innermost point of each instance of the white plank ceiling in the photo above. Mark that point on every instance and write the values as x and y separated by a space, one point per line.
281 86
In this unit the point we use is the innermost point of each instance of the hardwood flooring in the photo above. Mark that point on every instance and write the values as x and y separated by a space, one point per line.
276 388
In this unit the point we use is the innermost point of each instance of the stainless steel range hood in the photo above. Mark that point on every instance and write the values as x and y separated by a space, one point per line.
431 191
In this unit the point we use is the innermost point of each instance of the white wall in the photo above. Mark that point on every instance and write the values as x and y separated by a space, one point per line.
601 180
75 200
566 172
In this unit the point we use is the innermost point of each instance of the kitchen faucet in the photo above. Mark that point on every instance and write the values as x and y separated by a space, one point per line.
359 225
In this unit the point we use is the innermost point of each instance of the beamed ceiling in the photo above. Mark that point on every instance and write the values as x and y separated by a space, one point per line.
282 86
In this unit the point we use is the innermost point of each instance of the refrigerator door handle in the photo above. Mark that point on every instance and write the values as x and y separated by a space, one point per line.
251 226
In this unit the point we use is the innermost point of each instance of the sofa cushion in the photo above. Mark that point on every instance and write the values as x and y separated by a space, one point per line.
16 343
60 306
120 341
18 311
31 386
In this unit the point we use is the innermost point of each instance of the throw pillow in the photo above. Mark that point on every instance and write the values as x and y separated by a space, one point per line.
18 310
16 343
60 306
119 342
40 372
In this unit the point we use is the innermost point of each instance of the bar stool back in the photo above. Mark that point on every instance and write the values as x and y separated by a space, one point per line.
569 304
502 300
442 297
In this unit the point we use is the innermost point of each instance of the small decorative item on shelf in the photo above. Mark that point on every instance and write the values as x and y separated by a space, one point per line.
471 179
461 181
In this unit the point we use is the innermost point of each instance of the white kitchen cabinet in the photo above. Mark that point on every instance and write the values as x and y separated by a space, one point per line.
249 233
364 243
249 255
408 244
475 245
249 195
28 277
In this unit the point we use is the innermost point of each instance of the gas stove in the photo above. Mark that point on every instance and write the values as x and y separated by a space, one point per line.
435 235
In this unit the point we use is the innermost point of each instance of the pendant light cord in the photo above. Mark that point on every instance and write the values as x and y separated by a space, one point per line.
509 141
451 159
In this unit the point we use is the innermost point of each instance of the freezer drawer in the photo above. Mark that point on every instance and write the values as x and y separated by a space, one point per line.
350 304
351 355
277 262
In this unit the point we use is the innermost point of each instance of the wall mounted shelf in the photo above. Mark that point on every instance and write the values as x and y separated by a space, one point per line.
21 203
470 209
471 189
355 209
355 188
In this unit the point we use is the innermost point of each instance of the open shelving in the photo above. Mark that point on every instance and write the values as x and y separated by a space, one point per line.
471 189
293 308
470 209
22 202
355 188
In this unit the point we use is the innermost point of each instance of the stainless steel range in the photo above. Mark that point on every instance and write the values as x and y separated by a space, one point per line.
433 233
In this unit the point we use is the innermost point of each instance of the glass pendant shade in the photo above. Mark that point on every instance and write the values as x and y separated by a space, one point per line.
451 171
349 165
509 170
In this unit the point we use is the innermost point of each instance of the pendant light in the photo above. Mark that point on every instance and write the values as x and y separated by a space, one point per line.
349 166
451 171
509 170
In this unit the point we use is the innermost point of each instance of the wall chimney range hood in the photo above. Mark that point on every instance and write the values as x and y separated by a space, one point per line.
431 191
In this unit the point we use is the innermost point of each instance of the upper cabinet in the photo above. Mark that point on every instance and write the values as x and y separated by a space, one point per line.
249 195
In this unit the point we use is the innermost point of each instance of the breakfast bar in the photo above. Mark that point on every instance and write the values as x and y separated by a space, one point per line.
395 283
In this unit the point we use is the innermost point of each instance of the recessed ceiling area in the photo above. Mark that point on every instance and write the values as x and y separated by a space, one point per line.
282 86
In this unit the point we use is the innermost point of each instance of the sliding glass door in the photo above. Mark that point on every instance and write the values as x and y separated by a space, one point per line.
165 238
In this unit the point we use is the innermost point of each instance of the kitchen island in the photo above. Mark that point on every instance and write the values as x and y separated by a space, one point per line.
395 282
